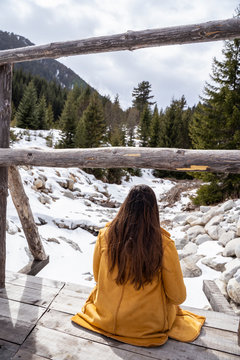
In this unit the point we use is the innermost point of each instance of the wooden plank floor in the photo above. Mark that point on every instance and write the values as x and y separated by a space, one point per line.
35 324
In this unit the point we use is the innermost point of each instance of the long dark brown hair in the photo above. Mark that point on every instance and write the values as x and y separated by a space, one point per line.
134 238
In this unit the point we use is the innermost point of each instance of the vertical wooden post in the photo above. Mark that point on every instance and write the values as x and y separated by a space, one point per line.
22 205
5 118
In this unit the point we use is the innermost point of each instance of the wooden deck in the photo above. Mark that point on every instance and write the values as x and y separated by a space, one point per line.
35 324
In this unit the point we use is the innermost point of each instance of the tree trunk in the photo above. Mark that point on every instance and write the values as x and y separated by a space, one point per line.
5 118
21 203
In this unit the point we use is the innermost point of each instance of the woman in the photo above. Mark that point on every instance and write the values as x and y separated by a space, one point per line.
139 282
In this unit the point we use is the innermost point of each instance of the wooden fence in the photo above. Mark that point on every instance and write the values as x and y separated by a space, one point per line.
166 159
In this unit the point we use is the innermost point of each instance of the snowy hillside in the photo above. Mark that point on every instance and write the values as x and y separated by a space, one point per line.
70 206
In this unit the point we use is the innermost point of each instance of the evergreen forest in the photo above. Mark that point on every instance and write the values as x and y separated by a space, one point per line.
87 119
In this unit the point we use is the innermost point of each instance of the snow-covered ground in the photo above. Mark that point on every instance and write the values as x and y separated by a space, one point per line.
71 201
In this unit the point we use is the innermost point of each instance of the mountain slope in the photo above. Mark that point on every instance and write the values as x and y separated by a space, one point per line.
49 69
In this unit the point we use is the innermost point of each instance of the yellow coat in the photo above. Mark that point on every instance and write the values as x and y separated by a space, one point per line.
145 317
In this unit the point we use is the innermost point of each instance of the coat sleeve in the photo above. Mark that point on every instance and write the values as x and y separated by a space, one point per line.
97 257
172 277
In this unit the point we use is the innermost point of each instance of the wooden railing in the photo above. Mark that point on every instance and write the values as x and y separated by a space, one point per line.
166 159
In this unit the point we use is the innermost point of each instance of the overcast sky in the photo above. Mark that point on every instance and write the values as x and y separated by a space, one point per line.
171 70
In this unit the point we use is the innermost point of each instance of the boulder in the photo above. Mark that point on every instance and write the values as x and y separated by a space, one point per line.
231 268
195 219
188 249
237 251
225 237
231 246
213 231
194 231
38 183
238 227
214 221
211 213
180 242
200 239
189 267
233 290
69 194
11 228
237 275
180 219
44 199
222 287
216 263
228 205
205 209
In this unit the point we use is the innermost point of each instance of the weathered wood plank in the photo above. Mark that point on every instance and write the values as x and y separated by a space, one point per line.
172 350
131 40
21 203
52 344
216 319
69 301
30 281
7 350
17 320
215 297
25 355
5 118
227 161
34 267
41 296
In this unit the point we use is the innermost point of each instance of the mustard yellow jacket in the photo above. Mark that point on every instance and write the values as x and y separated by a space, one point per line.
145 317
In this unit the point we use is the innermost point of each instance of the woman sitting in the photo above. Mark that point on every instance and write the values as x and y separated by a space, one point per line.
139 282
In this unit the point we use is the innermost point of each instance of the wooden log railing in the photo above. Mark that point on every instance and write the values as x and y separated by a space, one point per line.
131 40
226 161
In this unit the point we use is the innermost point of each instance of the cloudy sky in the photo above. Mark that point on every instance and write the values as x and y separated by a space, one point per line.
171 70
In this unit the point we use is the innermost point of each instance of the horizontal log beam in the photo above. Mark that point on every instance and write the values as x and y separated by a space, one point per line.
131 40
226 161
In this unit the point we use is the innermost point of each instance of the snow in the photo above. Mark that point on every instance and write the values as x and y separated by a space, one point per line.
71 249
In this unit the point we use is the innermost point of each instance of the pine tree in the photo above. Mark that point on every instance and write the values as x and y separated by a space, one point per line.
95 125
155 128
216 121
68 122
27 112
80 136
49 117
144 127
141 96
42 114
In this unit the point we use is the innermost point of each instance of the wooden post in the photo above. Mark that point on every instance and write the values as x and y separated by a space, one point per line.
216 298
21 203
5 118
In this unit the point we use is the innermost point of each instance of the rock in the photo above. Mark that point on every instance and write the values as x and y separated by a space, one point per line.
200 239
238 227
237 275
191 218
87 203
180 219
188 249
70 184
62 183
194 231
216 263
38 183
53 240
231 246
189 267
41 221
213 231
225 237
231 268
228 205
214 221
204 209
211 213
233 290
237 251
44 199
222 286
73 244
69 194
11 228
180 242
